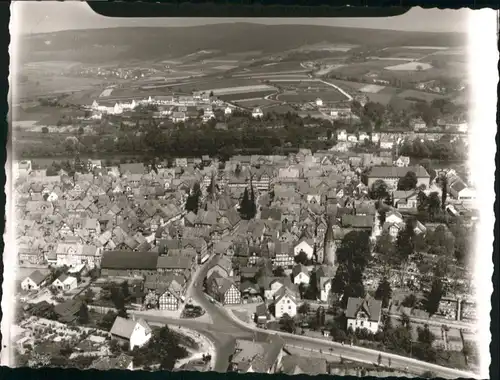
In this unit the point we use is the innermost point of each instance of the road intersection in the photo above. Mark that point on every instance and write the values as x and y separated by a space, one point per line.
225 328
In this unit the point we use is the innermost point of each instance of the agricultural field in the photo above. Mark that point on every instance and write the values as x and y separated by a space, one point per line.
210 84
246 95
301 97
280 109
410 66
420 95
255 103
218 91
273 68
371 88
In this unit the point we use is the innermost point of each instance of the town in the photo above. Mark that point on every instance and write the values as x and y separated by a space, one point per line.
296 211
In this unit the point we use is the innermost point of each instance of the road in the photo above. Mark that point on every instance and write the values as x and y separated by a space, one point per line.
225 328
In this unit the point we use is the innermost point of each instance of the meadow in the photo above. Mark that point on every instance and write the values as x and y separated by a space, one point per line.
255 103
410 66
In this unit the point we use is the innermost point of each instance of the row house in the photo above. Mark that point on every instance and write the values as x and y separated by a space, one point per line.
73 255
128 263
224 290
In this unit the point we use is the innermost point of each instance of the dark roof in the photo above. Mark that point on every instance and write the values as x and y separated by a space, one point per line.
357 221
37 277
129 260
297 365
68 310
174 262
137 168
371 306
397 172
458 186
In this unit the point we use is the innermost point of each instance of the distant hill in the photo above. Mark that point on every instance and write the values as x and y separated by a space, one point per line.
142 43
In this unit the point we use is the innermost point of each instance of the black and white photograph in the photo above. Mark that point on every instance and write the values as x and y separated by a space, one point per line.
273 195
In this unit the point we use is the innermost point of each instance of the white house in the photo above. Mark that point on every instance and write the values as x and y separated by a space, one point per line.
257 112
375 137
324 276
65 283
402 161
460 191
393 217
136 333
352 138
285 302
34 281
363 313
342 135
300 275
363 136
306 246
228 111
319 102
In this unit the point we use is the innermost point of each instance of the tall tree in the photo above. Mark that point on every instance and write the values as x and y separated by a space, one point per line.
379 190
433 297
405 244
83 314
408 182
444 191
384 292
433 204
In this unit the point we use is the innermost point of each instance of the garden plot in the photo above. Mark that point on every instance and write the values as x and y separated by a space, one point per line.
371 88
106 92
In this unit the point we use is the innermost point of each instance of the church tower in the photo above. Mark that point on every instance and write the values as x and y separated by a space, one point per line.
329 245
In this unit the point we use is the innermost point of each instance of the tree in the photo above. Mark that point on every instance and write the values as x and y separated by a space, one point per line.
89 295
410 301
287 324
433 204
125 290
304 308
193 199
279 272
384 292
301 258
83 314
379 359
434 296
405 321
45 130
408 182
81 131
379 190
107 320
444 191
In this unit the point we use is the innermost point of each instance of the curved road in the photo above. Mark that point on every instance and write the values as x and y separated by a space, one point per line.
225 328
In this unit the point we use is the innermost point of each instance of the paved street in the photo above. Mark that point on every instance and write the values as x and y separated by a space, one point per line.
225 328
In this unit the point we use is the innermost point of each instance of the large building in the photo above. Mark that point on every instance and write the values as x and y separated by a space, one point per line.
392 174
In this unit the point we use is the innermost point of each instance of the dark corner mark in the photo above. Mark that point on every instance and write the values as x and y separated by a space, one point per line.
247 8
276 8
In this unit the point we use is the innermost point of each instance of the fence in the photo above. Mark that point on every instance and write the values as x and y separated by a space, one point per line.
102 309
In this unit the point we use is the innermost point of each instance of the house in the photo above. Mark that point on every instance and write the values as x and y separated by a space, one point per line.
285 302
324 276
393 217
223 290
261 314
319 102
228 111
67 311
34 281
418 124
135 333
222 266
65 283
460 191
392 174
342 135
127 263
300 274
257 112
178 117
306 246
258 357
405 200
402 162
363 313
358 222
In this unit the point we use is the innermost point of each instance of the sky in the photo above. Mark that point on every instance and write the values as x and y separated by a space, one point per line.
44 17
